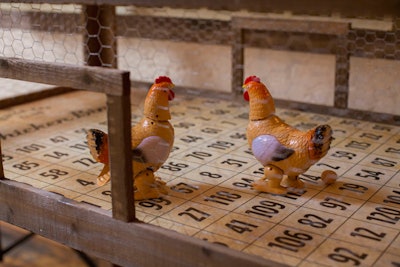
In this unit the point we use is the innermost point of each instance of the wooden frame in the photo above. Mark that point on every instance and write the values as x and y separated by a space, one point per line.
243 27
234 33
90 229
337 29
117 237
116 85
347 8
1 169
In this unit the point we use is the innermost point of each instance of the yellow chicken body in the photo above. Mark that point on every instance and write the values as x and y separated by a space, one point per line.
152 141
156 138
284 151
289 137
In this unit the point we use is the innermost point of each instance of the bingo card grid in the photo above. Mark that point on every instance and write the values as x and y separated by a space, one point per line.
354 222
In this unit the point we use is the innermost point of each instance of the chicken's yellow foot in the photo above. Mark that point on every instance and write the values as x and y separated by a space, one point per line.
148 186
104 176
269 186
271 182
292 182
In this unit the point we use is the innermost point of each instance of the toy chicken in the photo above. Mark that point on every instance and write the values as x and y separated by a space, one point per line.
152 140
285 152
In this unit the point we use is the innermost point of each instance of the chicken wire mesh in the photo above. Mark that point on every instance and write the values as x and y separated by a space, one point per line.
199 48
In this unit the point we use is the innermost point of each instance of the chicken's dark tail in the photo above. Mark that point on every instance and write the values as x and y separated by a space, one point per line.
98 145
320 141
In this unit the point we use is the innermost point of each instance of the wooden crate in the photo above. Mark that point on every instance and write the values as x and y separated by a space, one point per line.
118 237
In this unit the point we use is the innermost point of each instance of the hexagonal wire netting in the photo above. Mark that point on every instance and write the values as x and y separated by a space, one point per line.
198 48
50 33
128 38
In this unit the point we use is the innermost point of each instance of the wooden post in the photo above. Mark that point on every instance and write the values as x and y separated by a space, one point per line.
1 247
237 60
100 44
1 167
1 177
119 127
114 83
100 50
342 70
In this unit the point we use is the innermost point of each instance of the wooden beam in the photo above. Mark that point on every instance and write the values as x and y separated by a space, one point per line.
116 84
94 231
237 68
1 167
342 73
100 29
100 50
340 112
96 79
365 8
33 96
291 25
119 137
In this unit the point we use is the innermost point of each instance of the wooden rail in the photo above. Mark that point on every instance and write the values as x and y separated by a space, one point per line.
94 231
365 8
117 238
337 30
108 81
291 25
114 83
1 170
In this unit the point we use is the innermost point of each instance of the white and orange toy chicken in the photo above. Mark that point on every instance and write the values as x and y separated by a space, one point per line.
152 140
284 151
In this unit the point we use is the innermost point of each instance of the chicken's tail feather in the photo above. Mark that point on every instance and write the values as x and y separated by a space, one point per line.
320 141
98 145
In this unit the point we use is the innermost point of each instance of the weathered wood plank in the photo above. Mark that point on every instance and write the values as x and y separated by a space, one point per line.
119 135
100 27
119 115
109 81
94 231
1 168
345 113
368 8
291 25
237 60
32 96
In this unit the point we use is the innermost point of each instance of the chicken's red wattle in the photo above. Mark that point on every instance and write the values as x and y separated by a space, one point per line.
246 96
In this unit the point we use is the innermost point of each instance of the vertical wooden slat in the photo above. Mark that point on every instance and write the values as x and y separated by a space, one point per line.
1 247
342 72
100 29
237 60
1 166
101 50
1 177
119 129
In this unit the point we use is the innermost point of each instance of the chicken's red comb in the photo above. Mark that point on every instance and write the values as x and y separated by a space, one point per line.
163 79
252 78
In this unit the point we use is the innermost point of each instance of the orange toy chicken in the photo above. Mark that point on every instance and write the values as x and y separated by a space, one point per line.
152 140
285 152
